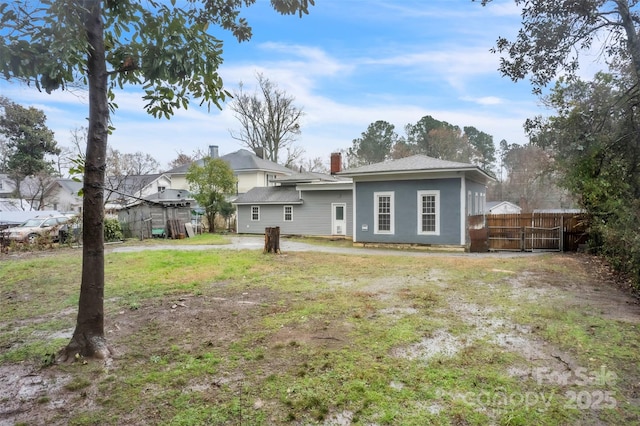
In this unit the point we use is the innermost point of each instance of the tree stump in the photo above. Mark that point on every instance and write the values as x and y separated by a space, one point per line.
272 239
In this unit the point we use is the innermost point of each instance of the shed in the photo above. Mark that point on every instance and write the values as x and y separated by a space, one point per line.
148 217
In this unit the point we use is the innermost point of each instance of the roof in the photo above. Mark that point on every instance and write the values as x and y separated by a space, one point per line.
270 195
135 182
21 216
69 185
170 195
309 177
491 204
559 211
415 163
165 197
13 204
241 160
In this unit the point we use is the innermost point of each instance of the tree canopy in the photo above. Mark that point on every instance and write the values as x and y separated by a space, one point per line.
374 145
593 134
210 184
555 32
28 141
428 136
168 49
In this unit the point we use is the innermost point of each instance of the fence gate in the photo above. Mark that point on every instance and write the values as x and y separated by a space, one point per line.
527 232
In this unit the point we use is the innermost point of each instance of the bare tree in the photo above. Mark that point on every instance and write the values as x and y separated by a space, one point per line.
316 164
72 155
268 119
183 159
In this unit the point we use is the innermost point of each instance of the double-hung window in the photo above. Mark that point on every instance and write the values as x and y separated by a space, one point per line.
255 213
383 212
429 212
288 213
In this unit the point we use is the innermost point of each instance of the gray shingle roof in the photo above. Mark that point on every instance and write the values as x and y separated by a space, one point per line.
171 195
409 164
308 177
69 185
241 160
270 195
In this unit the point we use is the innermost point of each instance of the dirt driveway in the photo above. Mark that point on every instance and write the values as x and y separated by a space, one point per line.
286 245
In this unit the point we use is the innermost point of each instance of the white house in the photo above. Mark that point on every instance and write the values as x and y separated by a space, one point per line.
502 207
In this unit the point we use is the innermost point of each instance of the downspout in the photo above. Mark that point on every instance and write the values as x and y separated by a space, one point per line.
463 211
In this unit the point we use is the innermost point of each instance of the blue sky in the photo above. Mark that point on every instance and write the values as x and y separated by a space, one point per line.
348 64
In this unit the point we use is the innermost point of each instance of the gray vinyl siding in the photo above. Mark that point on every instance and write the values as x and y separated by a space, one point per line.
406 211
311 218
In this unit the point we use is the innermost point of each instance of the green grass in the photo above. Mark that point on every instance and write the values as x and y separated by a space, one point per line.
302 338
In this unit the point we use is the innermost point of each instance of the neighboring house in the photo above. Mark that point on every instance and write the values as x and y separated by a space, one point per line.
313 204
502 207
121 191
7 186
250 169
62 195
416 200
31 188
144 218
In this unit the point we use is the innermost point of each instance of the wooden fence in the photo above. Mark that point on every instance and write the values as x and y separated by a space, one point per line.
527 232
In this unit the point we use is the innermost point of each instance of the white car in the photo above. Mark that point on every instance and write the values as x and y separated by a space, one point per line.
33 228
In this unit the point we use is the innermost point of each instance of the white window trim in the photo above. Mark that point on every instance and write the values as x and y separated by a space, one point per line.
376 196
251 214
284 214
435 193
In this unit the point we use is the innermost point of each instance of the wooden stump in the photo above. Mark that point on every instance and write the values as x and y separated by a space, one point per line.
272 239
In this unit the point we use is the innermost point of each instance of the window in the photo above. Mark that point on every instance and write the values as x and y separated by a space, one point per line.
383 212
428 212
288 213
255 213
469 205
477 205
161 188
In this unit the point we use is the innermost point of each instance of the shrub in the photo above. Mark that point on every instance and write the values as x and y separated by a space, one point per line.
112 230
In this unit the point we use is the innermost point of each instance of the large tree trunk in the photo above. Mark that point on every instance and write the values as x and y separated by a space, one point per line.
88 338
633 41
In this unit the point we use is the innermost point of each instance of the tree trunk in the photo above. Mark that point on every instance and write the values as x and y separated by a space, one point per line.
88 338
211 218
633 41
272 240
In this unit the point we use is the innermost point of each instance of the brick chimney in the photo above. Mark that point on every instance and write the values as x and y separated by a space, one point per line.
213 151
336 163
259 150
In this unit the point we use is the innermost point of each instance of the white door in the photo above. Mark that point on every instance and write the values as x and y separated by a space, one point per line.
339 218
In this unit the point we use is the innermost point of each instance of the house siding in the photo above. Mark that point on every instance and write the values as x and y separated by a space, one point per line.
405 211
312 218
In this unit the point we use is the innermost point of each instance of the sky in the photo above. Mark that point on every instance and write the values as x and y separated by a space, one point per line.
347 64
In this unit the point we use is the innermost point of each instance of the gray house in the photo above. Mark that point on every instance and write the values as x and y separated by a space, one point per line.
301 204
416 200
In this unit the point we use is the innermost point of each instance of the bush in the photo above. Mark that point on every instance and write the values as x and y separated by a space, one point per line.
112 230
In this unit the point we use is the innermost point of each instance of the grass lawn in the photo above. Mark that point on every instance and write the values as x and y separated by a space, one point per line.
218 337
